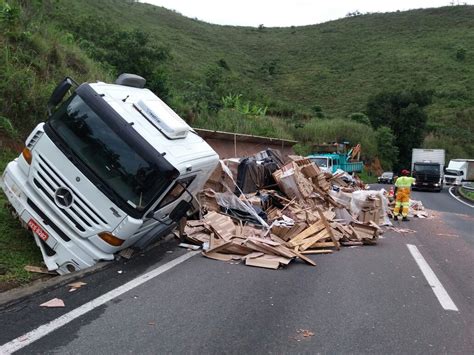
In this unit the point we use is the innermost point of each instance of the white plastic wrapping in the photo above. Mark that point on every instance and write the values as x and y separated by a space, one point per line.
359 197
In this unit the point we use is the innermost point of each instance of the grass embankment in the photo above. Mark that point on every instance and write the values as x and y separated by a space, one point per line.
467 194
17 246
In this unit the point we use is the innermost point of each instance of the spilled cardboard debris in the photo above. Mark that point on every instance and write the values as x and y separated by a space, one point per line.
302 211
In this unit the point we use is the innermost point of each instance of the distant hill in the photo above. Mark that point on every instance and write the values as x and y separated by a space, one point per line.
337 65
327 70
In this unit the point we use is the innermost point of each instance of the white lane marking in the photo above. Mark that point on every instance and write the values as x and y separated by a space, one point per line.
45 329
457 198
438 289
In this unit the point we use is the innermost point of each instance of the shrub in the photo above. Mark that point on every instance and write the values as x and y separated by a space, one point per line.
461 54
360 118
338 130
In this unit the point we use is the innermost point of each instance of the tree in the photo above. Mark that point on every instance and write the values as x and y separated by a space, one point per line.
360 117
403 112
387 151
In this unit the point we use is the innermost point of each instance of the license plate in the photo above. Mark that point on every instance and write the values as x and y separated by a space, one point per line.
425 183
37 229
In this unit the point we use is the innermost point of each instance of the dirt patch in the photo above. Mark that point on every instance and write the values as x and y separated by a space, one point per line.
8 285
10 143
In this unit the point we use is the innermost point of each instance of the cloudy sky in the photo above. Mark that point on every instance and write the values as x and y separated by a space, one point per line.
272 13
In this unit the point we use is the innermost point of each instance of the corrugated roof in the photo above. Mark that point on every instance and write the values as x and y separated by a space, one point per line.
206 133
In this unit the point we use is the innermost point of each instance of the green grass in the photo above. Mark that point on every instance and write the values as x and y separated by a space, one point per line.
367 177
467 194
17 246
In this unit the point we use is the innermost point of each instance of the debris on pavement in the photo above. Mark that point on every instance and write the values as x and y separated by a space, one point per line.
54 303
127 253
265 213
417 209
303 334
76 285
189 246
401 230
39 270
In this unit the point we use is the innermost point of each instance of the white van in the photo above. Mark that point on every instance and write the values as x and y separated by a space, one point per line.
113 166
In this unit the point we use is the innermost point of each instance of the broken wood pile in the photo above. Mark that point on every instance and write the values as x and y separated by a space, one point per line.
270 228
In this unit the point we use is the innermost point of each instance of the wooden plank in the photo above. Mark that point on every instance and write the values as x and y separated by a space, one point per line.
323 245
313 229
281 259
38 269
235 248
322 251
255 254
219 247
295 230
262 262
217 256
329 229
304 258
310 241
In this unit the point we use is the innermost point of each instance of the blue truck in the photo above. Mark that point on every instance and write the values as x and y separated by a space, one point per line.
330 162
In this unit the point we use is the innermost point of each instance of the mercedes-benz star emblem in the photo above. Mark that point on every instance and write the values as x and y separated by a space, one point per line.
63 197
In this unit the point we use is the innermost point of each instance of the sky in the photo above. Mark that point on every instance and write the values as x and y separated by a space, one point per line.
284 13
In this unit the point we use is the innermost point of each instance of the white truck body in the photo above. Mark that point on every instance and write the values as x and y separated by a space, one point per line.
105 172
428 156
469 176
455 172
427 166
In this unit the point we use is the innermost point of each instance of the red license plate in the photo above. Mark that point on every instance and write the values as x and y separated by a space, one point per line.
37 229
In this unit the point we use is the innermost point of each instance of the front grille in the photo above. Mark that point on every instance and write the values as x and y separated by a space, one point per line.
427 178
450 179
80 214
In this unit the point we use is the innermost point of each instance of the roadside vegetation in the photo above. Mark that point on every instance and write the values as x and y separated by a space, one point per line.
388 81
468 194
17 246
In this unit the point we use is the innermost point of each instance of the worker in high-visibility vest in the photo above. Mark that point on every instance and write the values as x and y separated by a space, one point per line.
403 189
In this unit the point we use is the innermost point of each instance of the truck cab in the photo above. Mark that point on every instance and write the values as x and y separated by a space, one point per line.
113 166
331 162
428 175
459 171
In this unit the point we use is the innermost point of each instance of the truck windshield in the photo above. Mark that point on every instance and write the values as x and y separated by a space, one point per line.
116 163
321 162
454 172
427 169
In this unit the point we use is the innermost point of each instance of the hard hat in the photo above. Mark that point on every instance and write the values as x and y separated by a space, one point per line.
405 172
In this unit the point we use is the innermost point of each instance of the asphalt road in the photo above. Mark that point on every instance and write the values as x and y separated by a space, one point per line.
371 299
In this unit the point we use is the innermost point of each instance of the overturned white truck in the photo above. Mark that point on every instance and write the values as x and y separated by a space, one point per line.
113 166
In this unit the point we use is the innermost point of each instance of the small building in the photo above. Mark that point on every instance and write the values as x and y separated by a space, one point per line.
232 145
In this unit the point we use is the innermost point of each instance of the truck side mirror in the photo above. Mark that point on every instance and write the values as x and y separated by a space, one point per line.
59 92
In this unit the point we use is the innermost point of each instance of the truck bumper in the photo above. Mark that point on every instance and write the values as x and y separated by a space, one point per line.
61 252
427 186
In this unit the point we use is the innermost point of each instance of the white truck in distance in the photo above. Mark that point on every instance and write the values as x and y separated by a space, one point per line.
427 167
458 171
113 166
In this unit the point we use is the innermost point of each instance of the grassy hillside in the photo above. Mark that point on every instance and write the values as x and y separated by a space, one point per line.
337 65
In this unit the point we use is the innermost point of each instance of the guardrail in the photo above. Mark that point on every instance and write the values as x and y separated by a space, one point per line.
468 186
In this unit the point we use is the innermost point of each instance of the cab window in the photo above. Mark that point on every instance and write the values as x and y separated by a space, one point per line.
176 191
